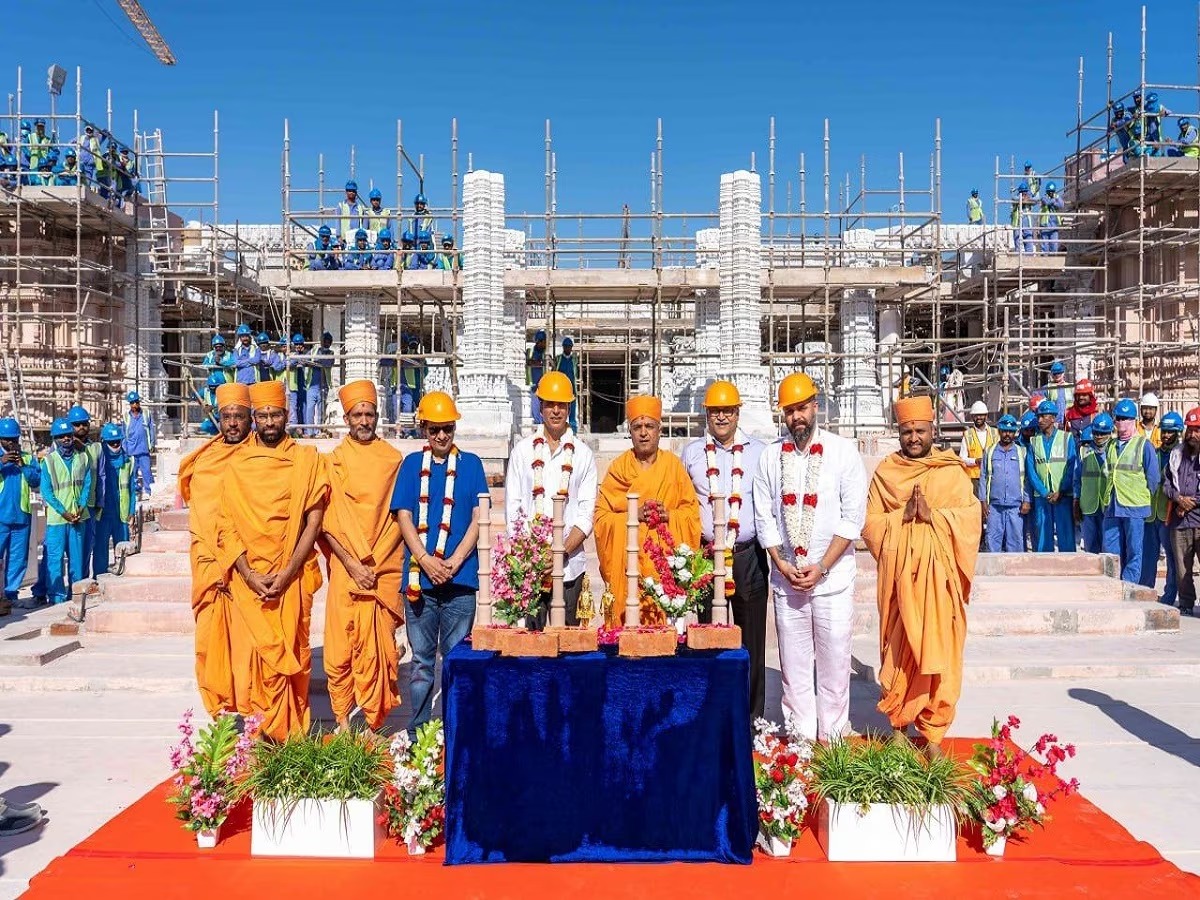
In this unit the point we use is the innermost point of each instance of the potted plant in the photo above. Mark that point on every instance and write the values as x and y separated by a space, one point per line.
316 795
208 770
683 577
1004 799
415 800
521 564
781 783
883 800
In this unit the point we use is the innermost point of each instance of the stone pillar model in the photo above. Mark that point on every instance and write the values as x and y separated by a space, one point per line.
859 400
740 264
707 312
361 344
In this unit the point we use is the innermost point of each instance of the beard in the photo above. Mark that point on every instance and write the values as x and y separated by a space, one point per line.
801 434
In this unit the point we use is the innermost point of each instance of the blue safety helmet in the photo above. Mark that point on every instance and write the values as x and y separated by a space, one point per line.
297 339
1137 97
419 200
263 338
352 186
1152 97
1118 109
447 239
1102 424
77 415
324 231
42 122
281 340
568 342
1023 187
25 126
424 236
1185 123
112 432
1028 164
407 236
133 397
1085 435
70 154
1047 408
216 379
243 329
10 429
360 235
1051 187
1007 423
1057 368
1125 409
326 336
1172 421
218 339
385 234
974 192
375 194
539 335
61 428
1028 421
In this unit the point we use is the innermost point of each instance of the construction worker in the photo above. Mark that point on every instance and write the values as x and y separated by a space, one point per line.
1029 428
566 365
1119 125
1051 206
1134 477
321 368
19 474
246 356
296 380
1137 146
1032 180
424 258
384 257
1083 408
1183 492
1153 117
535 368
67 174
376 218
139 441
421 220
1003 490
115 512
1188 142
40 148
126 176
323 252
81 423
412 377
360 255
408 254
218 361
978 438
1059 390
387 378
267 353
9 169
66 484
1148 407
1157 537
974 208
351 212
449 260
1092 481
208 402
1022 220
91 157
1050 468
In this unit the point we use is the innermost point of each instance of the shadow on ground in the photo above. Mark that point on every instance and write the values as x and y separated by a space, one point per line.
1142 725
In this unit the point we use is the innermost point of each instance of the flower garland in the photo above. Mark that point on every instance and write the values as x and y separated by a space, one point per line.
735 486
799 514
540 454
414 568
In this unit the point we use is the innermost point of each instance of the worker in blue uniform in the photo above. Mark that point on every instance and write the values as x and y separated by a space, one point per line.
139 441
412 376
449 259
67 483
1029 428
1052 205
1134 477
296 377
218 360
246 356
266 357
352 211
320 370
9 170
91 157
1050 470
408 250
1092 480
66 174
360 255
1119 125
126 175
421 220
535 368
1137 145
377 217
424 258
119 497
1188 142
40 145
1059 391
208 402
323 252
19 474
1155 113
1004 490
81 423
1157 537
1022 220
566 365
384 257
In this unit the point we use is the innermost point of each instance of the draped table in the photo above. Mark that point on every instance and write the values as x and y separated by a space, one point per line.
593 757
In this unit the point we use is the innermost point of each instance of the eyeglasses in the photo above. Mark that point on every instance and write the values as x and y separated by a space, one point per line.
722 411
448 428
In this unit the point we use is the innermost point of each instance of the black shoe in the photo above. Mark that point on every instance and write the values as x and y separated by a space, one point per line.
1190 612
16 810
12 825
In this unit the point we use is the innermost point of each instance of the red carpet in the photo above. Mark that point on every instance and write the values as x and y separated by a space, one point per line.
143 854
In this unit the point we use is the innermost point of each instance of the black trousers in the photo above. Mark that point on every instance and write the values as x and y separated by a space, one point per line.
749 607
1185 543
571 591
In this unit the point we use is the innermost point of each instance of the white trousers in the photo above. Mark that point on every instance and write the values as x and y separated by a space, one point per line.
815 632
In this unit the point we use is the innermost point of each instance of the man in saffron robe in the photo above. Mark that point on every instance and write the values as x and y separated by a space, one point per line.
363 608
200 479
664 488
923 527
272 502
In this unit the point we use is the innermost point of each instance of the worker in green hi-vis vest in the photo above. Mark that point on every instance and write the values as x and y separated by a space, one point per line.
67 481
118 499
1157 537
19 474
1091 483
1135 476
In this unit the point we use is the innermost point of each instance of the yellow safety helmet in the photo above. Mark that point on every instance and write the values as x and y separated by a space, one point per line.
437 406
722 393
796 388
556 388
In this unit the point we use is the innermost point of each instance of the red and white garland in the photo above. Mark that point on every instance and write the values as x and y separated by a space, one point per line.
541 451
414 568
799 513
735 486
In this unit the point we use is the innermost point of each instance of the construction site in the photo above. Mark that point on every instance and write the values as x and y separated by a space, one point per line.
860 279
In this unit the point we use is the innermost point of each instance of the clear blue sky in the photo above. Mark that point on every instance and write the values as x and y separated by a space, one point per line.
1002 78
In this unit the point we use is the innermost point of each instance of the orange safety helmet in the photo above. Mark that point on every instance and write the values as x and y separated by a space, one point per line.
556 388
796 388
722 394
437 407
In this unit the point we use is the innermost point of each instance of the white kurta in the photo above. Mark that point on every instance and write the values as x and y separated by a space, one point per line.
815 627
580 509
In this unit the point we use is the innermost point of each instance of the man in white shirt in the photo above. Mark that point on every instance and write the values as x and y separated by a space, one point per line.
810 496
978 438
724 462
551 462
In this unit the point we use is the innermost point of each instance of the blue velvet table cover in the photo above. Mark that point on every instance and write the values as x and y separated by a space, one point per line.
593 757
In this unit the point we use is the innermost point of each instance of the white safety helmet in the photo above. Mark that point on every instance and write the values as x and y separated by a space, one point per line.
1149 400
979 408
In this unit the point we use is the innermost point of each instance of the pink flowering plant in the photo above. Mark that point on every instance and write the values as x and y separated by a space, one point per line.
521 565
1005 798
209 767
415 800
781 779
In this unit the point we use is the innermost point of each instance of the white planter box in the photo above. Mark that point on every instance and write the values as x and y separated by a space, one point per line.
315 828
885 833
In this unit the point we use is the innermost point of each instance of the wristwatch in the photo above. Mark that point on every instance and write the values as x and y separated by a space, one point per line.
824 570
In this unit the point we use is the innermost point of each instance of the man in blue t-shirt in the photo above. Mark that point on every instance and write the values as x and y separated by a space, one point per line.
440 586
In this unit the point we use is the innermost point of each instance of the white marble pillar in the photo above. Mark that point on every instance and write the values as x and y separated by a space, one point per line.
860 403
362 341
740 263
707 313
515 312
891 366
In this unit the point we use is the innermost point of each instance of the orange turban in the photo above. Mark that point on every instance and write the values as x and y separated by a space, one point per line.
636 407
356 392
913 409
233 395
268 393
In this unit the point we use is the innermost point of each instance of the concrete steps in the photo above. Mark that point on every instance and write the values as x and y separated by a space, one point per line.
1050 618
35 650
150 564
166 542
140 617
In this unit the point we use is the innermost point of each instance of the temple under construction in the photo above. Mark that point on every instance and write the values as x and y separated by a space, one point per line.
869 289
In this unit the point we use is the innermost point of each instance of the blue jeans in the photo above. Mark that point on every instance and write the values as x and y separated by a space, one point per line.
1155 539
315 406
1054 520
145 470
297 408
1123 537
535 405
439 620
1050 240
1005 530
14 547
68 540
1093 532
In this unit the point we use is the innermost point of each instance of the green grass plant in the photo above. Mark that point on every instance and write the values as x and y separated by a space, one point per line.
347 765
